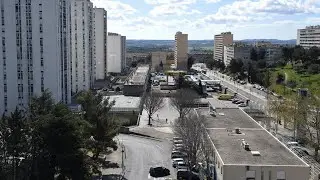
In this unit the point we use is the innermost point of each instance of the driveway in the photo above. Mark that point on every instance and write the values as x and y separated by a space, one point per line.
143 153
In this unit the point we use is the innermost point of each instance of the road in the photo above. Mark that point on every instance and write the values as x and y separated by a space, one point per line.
142 153
257 98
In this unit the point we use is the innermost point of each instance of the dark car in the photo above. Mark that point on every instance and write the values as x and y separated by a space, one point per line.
184 174
239 102
159 171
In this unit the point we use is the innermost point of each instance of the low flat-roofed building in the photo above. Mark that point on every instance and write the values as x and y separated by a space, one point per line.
243 150
136 82
124 103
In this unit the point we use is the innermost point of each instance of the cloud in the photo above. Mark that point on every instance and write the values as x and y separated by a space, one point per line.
157 2
172 7
116 9
213 1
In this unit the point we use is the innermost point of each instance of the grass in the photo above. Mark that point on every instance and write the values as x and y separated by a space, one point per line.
303 80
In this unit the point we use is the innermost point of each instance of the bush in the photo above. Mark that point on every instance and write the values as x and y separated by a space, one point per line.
292 84
314 69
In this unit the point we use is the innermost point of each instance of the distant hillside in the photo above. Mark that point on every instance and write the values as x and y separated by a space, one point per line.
196 43
273 41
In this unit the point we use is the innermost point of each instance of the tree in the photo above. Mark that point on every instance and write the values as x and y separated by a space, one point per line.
152 105
190 128
103 127
313 124
299 54
287 54
253 55
190 62
261 53
134 64
277 110
236 66
161 65
314 53
183 101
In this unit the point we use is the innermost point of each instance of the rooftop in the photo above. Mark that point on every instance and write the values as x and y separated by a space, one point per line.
139 76
221 130
124 103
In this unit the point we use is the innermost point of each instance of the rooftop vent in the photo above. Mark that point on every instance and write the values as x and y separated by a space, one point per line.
245 145
237 130
255 153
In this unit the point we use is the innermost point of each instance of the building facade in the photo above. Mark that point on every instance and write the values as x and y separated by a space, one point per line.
221 40
82 45
181 51
308 37
236 51
100 43
35 53
245 150
116 53
157 58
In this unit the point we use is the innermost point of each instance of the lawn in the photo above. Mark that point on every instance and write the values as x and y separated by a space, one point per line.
303 80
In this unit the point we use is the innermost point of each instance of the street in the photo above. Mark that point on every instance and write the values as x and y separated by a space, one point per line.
256 99
142 153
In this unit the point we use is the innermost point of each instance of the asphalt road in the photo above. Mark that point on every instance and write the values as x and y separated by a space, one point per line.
255 98
142 153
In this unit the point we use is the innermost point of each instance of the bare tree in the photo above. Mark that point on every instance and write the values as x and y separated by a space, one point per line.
276 109
190 129
183 101
153 104
207 152
313 125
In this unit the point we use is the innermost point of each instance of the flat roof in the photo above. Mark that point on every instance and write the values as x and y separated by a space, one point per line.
124 103
139 76
227 143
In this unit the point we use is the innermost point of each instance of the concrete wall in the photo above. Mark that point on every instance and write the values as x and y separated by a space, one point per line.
241 172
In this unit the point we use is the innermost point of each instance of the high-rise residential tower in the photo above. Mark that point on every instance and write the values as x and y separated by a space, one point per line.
35 55
82 45
221 40
100 42
181 50
308 37
116 59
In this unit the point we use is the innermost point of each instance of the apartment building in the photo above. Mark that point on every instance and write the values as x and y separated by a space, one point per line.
244 150
181 51
82 45
308 37
273 52
100 37
116 60
236 51
35 55
221 40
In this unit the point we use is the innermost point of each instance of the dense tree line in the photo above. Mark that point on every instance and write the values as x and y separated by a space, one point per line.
48 141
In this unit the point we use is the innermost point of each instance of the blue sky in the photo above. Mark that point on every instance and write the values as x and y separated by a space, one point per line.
202 19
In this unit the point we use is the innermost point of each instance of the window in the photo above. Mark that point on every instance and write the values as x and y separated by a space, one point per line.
250 175
281 175
262 175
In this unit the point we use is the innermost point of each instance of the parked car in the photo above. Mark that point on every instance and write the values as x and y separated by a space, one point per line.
235 100
181 165
175 161
292 143
239 102
159 172
301 151
243 105
178 154
177 138
178 141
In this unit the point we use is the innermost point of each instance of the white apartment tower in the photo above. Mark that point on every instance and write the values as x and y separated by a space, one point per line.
116 59
181 50
35 54
308 37
220 41
100 42
82 45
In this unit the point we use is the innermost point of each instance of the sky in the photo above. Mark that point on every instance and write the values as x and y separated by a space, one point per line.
202 19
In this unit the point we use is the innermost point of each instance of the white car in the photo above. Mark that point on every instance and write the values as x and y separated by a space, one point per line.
292 143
